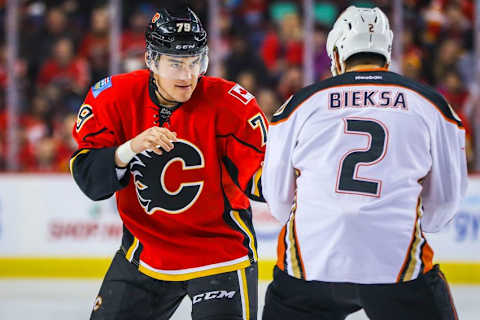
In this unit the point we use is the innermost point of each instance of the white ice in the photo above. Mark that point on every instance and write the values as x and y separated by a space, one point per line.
46 299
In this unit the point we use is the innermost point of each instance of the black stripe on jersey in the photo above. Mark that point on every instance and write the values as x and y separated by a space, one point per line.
248 222
241 141
231 169
246 216
127 242
368 77
127 239
136 254
94 133
256 186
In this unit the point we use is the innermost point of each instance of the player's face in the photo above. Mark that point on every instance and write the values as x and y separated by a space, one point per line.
177 76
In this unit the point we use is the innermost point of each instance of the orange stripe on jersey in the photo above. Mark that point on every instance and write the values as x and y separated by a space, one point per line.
427 257
369 85
367 69
281 249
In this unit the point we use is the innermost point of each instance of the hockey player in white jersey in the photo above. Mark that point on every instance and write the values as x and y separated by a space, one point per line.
357 167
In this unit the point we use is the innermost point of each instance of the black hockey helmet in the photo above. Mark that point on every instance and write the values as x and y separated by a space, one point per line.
176 31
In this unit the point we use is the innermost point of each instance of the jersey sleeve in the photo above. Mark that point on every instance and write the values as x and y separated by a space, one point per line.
93 164
446 184
244 132
278 178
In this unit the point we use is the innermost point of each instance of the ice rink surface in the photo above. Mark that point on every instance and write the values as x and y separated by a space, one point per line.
26 299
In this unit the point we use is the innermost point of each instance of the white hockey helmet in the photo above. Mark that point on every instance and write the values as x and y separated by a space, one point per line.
359 30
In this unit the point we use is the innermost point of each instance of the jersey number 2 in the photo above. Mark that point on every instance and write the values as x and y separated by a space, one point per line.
347 177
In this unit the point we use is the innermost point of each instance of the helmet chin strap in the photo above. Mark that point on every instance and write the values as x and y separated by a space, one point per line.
161 95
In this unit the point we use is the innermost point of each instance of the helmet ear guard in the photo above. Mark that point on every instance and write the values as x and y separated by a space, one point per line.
205 63
359 30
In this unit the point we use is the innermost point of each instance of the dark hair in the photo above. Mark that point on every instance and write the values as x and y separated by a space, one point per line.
366 58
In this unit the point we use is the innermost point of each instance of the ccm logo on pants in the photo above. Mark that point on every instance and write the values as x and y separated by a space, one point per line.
213 295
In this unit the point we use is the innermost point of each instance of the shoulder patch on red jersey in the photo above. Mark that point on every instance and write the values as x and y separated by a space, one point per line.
101 86
241 94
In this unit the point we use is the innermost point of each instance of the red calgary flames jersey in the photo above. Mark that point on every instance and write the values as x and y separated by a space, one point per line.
186 213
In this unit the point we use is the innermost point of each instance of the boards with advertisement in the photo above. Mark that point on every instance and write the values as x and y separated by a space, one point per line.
47 217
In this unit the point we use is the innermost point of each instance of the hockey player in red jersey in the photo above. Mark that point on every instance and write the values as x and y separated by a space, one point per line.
182 153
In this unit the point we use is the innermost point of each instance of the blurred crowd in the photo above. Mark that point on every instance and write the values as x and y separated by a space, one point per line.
64 49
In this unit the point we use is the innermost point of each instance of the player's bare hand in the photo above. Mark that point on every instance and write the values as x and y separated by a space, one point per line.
153 139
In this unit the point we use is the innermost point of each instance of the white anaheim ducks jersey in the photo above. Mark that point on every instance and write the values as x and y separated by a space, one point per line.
357 166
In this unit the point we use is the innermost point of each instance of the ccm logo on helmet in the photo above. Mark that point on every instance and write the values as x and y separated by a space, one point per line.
184 46
222 294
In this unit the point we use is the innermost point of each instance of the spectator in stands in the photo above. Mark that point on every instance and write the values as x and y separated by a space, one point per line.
290 82
3 66
133 42
446 59
64 69
38 122
268 100
20 69
247 80
3 132
434 18
38 43
251 16
455 92
63 131
50 155
457 26
283 47
412 66
244 57
321 59
261 44
95 44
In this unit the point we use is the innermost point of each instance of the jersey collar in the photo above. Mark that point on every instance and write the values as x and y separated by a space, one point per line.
366 69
